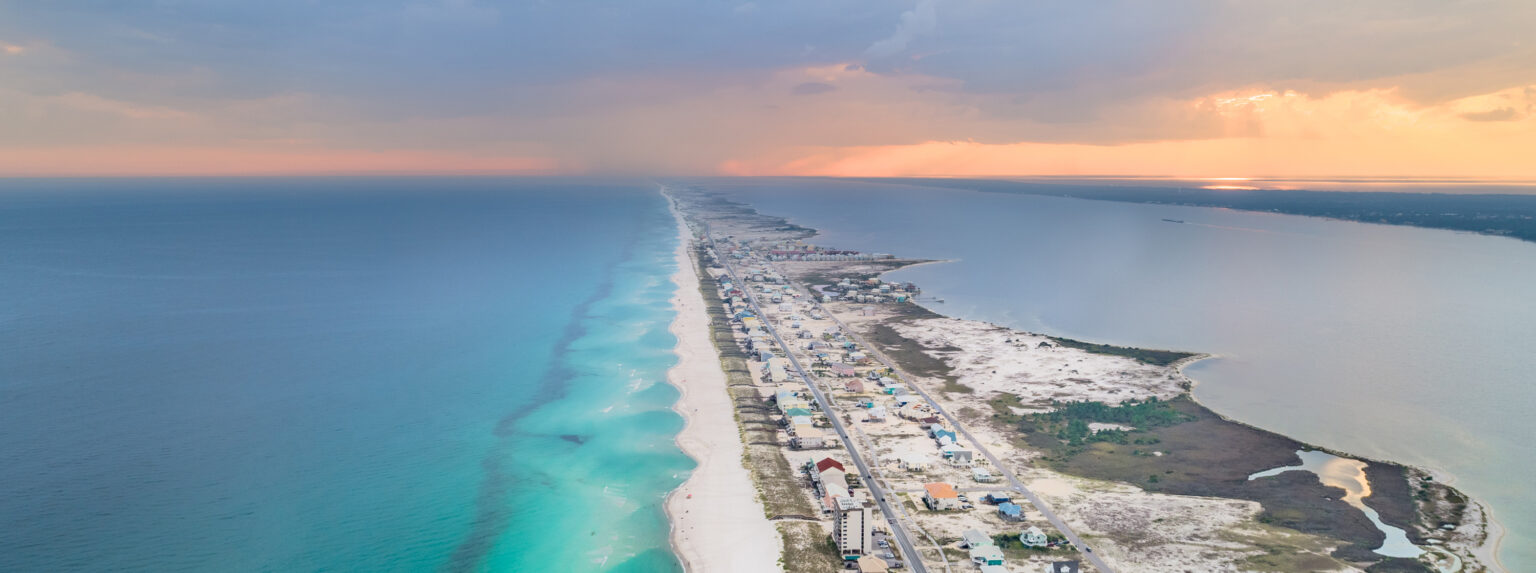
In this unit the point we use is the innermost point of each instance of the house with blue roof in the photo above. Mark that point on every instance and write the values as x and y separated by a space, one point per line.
1010 511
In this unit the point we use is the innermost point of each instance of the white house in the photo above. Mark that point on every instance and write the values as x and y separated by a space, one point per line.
974 538
986 555
806 436
1033 537
959 456
913 462
940 496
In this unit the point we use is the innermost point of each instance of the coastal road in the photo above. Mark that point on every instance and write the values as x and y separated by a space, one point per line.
874 456
1013 479
903 538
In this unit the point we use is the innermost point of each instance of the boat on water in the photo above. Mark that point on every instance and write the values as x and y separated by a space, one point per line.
1174 220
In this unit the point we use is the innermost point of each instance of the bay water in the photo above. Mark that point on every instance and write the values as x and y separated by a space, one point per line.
1398 343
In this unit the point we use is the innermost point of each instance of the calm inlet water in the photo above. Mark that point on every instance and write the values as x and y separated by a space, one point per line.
1413 345
335 375
1349 475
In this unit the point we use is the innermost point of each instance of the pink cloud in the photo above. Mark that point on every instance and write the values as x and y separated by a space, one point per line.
186 161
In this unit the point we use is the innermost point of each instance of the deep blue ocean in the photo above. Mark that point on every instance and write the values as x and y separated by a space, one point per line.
409 374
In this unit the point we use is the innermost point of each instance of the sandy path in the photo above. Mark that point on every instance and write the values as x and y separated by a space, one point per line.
717 522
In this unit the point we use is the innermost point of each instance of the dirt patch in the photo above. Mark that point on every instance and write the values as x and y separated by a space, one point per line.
914 358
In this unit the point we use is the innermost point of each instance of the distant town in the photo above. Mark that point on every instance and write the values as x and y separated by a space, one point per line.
881 436
840 405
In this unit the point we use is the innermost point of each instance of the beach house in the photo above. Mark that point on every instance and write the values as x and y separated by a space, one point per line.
986 555
805 436
788 400
776 373
830 478
959 456
1010 511
1033 537
841 370
913 462
974 538
912 412
940 496
981 475
872 564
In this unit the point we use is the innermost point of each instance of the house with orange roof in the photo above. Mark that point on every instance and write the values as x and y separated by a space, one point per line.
940 496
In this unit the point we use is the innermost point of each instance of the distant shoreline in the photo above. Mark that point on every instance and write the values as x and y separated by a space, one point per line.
1486 551
1492 214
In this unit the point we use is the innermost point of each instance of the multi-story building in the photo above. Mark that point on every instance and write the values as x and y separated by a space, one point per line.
853 528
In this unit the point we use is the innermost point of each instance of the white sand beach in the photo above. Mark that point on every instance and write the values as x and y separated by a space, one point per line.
718 524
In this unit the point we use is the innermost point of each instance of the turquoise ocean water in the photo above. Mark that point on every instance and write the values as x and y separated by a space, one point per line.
335 375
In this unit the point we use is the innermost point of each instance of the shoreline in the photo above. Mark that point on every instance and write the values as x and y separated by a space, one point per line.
717 522
1487 532
1494 531
929 182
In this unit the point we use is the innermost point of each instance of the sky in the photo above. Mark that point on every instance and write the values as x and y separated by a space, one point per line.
1400 88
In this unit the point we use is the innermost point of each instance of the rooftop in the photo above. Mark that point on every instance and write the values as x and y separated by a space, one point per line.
941 490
